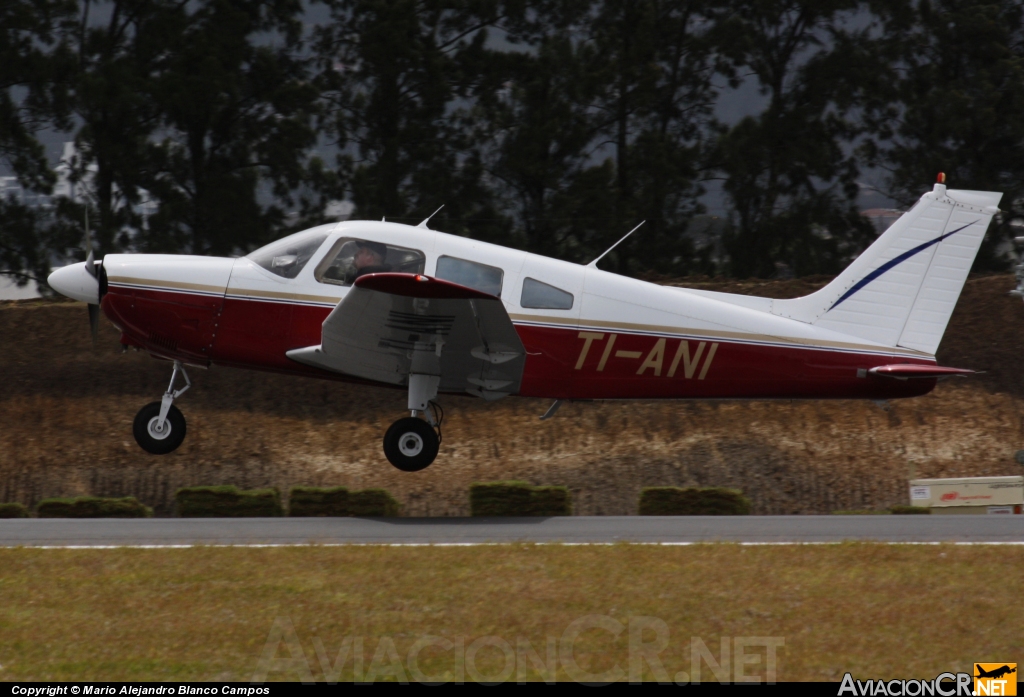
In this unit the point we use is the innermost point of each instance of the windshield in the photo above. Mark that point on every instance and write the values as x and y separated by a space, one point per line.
288 256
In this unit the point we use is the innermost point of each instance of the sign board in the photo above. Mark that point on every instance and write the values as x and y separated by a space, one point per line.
967 491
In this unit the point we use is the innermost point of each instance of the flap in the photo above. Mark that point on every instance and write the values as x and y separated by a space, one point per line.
392 324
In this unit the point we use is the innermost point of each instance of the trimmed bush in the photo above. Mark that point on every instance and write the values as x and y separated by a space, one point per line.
506 498
550 501
861 511
310 502
372 503
670 500
93 507
227 502
910 510
340 502
515 498
13 510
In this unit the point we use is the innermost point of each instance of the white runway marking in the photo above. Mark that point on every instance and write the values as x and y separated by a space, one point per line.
506 544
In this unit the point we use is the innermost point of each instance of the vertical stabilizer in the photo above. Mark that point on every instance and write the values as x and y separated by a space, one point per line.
902 290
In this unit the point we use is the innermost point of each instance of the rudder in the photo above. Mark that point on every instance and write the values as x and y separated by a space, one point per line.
902 290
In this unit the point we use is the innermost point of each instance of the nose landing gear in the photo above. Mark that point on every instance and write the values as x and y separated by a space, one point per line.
159 427
411 444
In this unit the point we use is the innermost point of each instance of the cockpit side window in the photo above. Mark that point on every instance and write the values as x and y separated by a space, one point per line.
541 296
351 258
481 277
288 256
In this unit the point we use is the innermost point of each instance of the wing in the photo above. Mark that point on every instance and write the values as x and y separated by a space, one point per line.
390 325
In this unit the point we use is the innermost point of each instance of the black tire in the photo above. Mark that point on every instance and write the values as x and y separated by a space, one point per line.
411 444
154 443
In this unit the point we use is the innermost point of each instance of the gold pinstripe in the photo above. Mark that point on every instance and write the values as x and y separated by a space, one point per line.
739 336
169 285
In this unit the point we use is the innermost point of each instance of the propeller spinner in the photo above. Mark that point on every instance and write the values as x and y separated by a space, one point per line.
81 281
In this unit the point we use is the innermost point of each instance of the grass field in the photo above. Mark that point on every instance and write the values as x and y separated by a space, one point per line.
211 613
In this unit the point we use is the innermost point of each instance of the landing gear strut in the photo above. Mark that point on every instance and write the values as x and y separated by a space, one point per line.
411 443
159 427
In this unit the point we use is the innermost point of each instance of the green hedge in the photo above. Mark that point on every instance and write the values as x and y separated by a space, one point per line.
92 507
13 510
670 500
227 502
910 510
338 501
515 498
372 502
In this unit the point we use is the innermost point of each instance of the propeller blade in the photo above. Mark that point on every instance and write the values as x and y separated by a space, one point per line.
94 320
90 258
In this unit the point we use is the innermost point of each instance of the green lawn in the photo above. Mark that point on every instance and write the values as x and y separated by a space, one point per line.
208 613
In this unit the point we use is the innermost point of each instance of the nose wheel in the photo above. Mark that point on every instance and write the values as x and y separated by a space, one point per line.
159 427
155 437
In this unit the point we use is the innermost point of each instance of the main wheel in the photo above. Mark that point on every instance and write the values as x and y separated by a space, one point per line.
152 438
410 444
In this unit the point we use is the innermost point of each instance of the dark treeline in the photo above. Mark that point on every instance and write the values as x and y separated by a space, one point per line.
214 126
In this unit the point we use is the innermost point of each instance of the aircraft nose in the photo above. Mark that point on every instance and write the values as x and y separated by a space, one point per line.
76 283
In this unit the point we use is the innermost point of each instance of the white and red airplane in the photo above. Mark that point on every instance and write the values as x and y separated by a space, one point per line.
434 313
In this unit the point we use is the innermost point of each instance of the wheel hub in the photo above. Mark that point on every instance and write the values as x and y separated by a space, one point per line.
156 430
410 444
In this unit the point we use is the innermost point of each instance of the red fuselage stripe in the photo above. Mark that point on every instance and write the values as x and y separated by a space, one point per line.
563 362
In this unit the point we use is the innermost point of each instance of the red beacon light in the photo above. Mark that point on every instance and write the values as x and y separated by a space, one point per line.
941 179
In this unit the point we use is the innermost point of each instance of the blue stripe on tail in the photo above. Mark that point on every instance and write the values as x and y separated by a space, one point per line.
895 262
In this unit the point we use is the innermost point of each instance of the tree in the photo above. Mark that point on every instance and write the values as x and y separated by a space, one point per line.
656 64
956 105
789 172
235 112
115 58
31 61
398 79
541 135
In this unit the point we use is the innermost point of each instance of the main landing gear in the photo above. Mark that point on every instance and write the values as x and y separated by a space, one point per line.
159 427
411 443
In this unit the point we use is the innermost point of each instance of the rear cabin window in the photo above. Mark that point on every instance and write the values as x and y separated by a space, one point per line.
486 279
541 296
351 258
288 256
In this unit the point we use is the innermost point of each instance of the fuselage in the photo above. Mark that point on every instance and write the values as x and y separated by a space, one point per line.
620 338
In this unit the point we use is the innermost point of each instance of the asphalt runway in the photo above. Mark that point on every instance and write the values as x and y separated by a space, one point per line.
172 532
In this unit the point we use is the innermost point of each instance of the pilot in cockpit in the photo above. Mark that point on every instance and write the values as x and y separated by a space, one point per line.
354 258
369 258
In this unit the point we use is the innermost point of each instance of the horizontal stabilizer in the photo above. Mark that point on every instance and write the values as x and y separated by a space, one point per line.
913 370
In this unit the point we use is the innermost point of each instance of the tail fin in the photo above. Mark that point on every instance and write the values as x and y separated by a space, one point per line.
901 291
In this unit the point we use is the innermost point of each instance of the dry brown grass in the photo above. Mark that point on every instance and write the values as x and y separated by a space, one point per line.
66 409
206 614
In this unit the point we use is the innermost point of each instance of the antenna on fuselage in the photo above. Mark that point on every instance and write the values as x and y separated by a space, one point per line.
594 262
424 223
